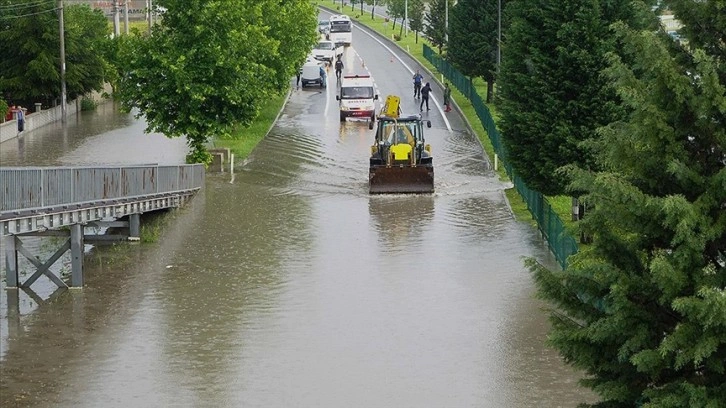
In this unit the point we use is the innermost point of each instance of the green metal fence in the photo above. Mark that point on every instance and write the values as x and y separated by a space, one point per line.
560 242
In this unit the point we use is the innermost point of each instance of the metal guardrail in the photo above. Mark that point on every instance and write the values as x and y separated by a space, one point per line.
30 188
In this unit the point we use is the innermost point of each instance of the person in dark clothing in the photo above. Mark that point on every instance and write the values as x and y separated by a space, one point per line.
417 79
299 71
338 68
425 91
447 97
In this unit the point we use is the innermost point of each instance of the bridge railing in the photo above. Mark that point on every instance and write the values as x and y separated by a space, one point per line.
26 188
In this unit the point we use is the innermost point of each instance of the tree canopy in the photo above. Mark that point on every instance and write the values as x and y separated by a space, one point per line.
553 95
416 13
30 46
474 38
209 64
435 28
642 310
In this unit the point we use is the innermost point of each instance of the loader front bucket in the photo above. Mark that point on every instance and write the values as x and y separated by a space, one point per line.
401 180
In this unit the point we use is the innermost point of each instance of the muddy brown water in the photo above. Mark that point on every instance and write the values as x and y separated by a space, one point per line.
288 285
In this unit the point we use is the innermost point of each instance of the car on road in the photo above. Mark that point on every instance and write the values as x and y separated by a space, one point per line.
324 27
327 51
310 73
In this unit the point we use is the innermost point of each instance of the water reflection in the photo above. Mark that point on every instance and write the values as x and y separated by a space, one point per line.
400 221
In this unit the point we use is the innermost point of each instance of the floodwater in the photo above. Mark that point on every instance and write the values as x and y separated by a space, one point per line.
287 285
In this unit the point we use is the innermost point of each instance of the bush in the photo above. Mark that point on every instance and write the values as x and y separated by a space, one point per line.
396 37
3 110
88 104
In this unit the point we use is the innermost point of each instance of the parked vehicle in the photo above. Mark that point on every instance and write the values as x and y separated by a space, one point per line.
327 51
324 27
310 73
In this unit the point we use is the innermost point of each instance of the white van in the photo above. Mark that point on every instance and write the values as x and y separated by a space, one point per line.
357 98
310 73
327 51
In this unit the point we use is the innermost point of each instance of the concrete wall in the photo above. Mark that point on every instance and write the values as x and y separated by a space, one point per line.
34 120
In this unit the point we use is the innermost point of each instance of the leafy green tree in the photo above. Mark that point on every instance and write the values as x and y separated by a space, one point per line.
209 64
416 12
435 29
30 46
87 36
396 9
373 4
553 95
474 38
643 309
3 109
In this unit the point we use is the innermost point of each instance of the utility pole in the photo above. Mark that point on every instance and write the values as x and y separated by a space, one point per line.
499 35
148 13
446 22
126 17
405 16
116 24
62 61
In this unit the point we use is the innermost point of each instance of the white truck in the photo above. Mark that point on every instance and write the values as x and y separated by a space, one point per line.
357 98
327 51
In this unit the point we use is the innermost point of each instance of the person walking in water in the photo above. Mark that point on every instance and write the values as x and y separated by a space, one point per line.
447 97
425 91
417 79
338 67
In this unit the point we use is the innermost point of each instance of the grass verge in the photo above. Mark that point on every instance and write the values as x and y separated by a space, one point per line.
244 139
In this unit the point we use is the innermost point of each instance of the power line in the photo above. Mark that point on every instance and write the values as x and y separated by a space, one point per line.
54 9
24 5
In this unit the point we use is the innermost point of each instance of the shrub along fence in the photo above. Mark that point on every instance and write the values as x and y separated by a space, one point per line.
560 242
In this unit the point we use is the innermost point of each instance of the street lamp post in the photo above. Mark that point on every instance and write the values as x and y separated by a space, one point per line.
405 16
62 61
499 35
446 21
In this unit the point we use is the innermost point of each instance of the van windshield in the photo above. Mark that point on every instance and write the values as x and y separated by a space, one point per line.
356 92
324 46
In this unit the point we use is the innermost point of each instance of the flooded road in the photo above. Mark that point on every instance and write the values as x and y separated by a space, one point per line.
289 286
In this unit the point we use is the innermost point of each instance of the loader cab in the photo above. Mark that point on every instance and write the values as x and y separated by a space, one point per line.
401 161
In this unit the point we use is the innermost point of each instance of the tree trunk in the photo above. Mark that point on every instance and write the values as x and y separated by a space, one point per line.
400 34
490 89
394 23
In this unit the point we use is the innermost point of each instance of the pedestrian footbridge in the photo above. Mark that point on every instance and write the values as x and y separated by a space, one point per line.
61 201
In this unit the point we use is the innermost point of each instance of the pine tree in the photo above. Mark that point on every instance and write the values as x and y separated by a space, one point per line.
643 309
435 28
473 39
553 96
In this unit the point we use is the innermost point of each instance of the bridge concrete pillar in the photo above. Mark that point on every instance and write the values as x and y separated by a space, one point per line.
77 255
134 227
11 261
